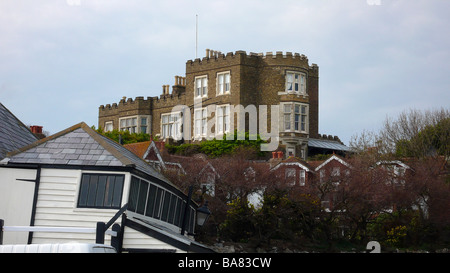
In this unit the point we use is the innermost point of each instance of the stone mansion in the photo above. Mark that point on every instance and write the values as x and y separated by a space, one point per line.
212 89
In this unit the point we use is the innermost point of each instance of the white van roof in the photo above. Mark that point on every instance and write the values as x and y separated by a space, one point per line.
58 248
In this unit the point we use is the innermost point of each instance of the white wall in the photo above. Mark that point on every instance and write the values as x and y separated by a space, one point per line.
57 206
16 202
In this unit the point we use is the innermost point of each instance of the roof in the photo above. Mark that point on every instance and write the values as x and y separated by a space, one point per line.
139 148
327 144
294 161
147 151
80 145
13 133
166 235
333 157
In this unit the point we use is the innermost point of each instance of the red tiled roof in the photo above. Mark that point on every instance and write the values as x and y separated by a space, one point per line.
139 148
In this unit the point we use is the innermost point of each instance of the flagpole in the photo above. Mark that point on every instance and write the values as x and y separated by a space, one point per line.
196 35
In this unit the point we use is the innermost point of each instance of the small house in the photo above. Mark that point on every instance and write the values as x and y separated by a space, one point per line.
77 178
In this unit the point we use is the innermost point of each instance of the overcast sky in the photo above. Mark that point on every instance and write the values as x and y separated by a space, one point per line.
61 59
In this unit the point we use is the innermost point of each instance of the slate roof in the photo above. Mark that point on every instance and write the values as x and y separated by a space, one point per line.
80 145
327 144
13 133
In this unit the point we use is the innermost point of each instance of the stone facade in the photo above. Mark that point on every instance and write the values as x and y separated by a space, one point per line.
227 80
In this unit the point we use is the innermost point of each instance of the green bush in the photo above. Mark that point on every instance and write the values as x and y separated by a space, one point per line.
219 147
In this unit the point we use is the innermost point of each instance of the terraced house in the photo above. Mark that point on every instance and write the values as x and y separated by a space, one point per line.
223 92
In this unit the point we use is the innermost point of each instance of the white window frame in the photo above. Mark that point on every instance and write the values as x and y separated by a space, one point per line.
201 87
302 178
129 124
171 125
290 174
293 120
200 122
222 119
295 82
136 127
287 113
222 86
109 126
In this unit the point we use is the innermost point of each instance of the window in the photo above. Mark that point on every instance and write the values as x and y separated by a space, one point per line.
287 117
290 176
303 119
170 125
302 180
144 125
322 176
135 124
153 201
129 124
295 116
223 119
201 87
100 191
209 186
223 83
108 126
291 151
200 122
296 82
336 171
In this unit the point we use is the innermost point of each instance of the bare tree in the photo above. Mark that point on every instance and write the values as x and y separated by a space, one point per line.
406 131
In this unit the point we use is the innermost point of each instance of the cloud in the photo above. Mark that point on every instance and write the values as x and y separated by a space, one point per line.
70 58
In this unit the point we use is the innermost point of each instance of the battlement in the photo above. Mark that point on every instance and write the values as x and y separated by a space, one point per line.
124 102
213 57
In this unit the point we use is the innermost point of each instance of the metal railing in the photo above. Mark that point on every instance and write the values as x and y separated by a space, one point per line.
100 230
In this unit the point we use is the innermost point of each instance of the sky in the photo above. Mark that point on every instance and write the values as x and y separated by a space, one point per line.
61 59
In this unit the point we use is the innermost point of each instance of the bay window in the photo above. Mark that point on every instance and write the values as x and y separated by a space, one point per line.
295 117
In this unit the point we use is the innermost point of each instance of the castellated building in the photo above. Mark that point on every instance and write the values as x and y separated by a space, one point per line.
220 88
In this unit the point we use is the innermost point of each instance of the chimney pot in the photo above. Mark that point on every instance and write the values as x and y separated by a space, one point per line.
36 129
280 154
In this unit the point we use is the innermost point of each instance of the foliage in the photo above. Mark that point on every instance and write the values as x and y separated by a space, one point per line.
433 139
220 147
127 137
396 235
239 223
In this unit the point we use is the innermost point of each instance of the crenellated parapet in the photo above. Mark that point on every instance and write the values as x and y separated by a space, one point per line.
126 106
279 58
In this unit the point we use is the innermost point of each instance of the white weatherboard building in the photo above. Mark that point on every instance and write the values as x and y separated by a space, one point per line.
77 178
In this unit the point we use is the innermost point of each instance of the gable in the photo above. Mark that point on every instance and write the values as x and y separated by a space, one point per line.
333 161
80 145
76 147
292 164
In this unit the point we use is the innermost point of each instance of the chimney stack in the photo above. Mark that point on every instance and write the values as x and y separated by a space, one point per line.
37 131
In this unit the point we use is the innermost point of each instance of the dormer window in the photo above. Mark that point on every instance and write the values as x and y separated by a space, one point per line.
296 82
